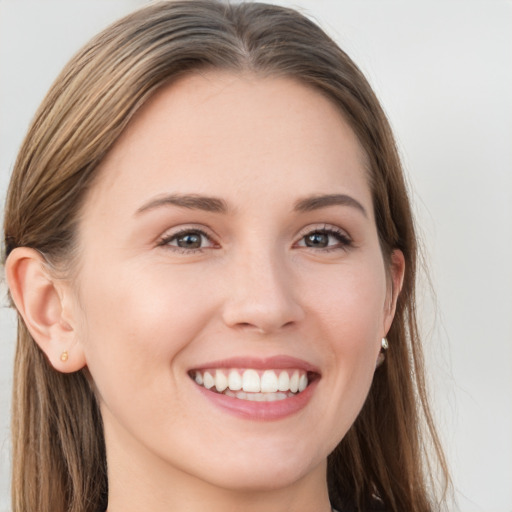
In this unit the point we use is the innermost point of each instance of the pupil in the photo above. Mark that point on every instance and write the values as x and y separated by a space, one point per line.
317 240
190 241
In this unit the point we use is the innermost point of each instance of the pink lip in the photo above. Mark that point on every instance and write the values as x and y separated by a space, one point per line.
268 363
261 411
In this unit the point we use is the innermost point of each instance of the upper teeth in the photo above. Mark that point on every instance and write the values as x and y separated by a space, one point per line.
268 381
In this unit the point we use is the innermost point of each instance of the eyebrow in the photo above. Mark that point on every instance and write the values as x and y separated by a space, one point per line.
191 201
316 202
216 205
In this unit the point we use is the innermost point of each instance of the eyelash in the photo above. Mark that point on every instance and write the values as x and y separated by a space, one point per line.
166 240
344 241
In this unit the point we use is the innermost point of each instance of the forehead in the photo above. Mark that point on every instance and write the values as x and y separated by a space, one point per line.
218 132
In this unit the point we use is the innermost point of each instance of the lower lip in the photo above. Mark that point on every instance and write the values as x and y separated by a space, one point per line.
260 411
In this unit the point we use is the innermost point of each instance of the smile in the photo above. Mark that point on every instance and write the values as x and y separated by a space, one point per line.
253 385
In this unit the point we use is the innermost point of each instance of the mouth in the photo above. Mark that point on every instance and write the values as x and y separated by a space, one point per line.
255 385
255 388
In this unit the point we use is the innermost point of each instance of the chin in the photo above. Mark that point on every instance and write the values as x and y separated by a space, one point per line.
260 477
265 469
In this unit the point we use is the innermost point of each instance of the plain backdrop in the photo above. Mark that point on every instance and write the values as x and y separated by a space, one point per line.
443 71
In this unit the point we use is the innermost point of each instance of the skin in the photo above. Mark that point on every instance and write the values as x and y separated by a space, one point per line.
140 312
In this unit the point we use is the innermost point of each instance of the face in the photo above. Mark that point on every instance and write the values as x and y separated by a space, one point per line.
231 287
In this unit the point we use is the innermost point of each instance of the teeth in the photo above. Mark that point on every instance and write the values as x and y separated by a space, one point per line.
303 382
294 382
234 381
251 381
263 397
269 382
221 381
284 381
249 384
208 380
274 397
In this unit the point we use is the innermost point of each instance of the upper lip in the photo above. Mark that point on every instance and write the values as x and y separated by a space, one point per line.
281 362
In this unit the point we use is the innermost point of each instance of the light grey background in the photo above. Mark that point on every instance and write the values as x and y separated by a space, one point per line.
443 71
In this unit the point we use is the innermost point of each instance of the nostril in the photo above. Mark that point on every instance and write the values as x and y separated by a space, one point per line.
262 327
265 308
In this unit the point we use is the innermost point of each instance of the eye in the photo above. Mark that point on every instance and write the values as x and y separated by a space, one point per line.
187 240
325 238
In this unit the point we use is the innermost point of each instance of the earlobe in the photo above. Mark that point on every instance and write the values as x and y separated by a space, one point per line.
41 301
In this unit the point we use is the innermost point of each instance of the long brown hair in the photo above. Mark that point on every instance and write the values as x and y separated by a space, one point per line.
390 455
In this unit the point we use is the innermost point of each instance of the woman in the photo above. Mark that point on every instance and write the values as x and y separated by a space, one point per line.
211 250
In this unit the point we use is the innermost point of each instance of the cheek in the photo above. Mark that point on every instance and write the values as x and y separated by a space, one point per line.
135 332
351 300
349 314
136 327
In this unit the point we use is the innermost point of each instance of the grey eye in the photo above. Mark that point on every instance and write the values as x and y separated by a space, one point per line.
317 239
189 240
325 238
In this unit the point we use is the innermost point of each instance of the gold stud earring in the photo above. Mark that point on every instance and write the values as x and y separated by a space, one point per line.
64 357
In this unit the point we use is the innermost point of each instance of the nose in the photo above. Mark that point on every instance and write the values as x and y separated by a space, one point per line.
261 294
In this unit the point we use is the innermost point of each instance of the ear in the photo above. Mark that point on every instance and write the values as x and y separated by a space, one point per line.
45 303
397 272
